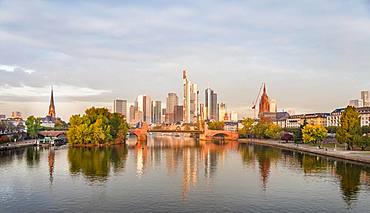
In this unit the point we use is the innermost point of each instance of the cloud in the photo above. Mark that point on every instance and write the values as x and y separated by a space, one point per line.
13 68
63 91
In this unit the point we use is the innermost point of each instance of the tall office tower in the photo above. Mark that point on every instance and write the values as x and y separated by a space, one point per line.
120 106
186 99
273 106
264 103
143 104
356 103
147 109
211 104
178 114
194 111
172 101
221 111
202 111
132 114
190 100
365 98
139 104
157 112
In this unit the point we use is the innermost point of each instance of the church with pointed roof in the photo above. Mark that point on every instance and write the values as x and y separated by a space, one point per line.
264 103
49 120
52 106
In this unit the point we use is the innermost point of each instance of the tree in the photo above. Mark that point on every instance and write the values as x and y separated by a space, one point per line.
299 135
273 131
216 125
33 126
97 126
350 128
314 134
247 126
363 142
332 129
260 128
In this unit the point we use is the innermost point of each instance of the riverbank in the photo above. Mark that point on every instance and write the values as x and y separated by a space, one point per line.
356 156
17 145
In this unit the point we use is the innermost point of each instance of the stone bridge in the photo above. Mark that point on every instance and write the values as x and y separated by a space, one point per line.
206 134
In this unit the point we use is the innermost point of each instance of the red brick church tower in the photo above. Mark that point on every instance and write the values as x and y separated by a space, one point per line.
264 103
51 106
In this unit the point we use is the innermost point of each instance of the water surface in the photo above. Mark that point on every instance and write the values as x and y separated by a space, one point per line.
179 175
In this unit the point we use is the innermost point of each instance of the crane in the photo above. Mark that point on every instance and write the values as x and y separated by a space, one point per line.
255 102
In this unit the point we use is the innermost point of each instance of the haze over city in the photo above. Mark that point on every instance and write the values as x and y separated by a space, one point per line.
312 55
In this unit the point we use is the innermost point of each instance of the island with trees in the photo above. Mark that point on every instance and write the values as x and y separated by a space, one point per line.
97 127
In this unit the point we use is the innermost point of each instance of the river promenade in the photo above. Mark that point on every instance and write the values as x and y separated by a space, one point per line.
17 145
356 156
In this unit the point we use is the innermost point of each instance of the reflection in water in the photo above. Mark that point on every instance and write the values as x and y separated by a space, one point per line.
33 156
51 160
351 176
95 163
195 163
265 156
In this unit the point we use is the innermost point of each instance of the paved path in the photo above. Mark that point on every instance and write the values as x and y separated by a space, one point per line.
16 145
358 156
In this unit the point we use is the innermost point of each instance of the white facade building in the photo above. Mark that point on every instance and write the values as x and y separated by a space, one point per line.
334 118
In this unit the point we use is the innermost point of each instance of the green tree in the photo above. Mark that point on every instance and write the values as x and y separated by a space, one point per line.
33 126
363 142
260 128
299 136
216 125
332 129
314 134
350 128
247 126
273 131
97 126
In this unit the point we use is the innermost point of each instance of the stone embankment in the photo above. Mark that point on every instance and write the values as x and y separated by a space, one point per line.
17 145
356 156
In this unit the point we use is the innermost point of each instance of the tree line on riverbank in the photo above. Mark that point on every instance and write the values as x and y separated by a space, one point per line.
349 132
97 126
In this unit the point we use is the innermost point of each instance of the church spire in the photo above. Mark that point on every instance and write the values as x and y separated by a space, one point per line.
264 102
52 106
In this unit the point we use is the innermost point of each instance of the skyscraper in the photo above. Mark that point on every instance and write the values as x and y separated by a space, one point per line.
264 103
132 114
211 104
157 112
273 106
221 111
365 98
51 105
172 101
143 106
178 114
120 106
190 99
147 109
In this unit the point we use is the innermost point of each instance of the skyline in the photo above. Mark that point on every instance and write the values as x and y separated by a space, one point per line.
106 51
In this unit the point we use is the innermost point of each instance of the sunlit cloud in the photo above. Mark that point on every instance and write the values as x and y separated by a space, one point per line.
68 91
13 68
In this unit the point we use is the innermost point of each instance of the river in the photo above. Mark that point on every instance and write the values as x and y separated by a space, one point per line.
174 174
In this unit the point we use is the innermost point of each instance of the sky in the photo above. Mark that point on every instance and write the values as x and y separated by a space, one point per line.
313 55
